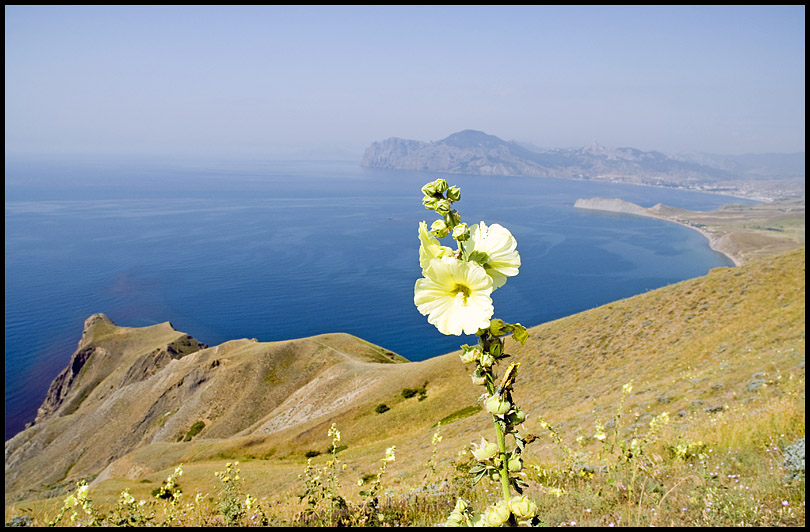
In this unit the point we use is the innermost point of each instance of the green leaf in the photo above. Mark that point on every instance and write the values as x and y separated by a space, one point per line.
520 333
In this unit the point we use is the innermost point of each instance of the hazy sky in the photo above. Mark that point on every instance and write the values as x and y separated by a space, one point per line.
327 81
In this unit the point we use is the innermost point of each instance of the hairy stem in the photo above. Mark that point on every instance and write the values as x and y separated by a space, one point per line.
504 464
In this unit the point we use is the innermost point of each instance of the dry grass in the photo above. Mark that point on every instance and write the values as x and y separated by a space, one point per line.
722 355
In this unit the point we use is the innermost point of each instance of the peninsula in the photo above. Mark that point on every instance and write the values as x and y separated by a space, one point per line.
741 232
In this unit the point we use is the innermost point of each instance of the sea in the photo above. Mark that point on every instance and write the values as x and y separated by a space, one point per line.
274 250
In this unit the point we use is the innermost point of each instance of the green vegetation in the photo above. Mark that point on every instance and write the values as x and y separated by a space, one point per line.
421 392
382 408
467 411
194 430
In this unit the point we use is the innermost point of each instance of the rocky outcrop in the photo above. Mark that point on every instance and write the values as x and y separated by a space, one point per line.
76 382
610 205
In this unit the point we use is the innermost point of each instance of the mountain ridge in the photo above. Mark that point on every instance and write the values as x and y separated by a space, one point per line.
767 177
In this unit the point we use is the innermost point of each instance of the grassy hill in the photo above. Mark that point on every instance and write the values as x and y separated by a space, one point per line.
722 356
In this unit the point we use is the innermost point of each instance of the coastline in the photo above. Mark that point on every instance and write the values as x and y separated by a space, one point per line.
625 207
713 240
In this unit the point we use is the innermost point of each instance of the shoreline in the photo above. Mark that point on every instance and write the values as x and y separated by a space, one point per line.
709 236
619 206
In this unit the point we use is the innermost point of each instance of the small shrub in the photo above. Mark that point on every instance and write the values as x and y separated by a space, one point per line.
382 408
794 460
407 393
195 429
312 454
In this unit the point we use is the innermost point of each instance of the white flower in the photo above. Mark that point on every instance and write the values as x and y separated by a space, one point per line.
430 248
390 454
495 249
455 295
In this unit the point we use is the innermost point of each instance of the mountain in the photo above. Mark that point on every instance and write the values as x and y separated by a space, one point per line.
475 152
136 402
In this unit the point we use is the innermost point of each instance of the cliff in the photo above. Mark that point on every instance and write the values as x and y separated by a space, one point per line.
125 388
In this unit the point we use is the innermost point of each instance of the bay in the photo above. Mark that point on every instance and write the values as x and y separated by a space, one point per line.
275 250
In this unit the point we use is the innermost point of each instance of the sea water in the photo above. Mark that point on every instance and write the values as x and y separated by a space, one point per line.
279 250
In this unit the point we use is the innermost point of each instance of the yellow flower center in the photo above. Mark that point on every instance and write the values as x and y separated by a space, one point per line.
462 290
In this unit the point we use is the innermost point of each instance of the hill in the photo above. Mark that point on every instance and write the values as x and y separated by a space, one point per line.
767 177
723 355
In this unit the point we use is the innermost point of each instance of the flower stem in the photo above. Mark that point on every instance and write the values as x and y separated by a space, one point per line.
504 464
490 384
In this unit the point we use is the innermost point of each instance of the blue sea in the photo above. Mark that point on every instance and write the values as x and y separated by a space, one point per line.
279 250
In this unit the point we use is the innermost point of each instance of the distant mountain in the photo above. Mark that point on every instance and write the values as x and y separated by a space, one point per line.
475 152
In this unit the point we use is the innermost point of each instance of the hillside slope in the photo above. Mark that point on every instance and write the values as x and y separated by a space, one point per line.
724 341
121 391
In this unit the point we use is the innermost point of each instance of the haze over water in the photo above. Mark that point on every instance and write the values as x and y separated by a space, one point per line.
280 250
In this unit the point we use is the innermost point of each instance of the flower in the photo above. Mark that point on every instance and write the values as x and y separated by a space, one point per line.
390 454
485 450
495 249
429 248
455 295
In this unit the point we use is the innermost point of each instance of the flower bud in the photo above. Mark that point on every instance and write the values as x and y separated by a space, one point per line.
517 417
430 202
439 229
461 505
454 193
485 451
496 348
443 207
487 360
455 519
497 405
522 507
461 232
497 514
515 464
470 354
479 378
434 187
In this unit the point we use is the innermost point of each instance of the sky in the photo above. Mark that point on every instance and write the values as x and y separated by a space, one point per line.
326 81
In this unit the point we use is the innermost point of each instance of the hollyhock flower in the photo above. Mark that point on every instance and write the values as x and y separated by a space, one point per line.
494 248
429 248
455 296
